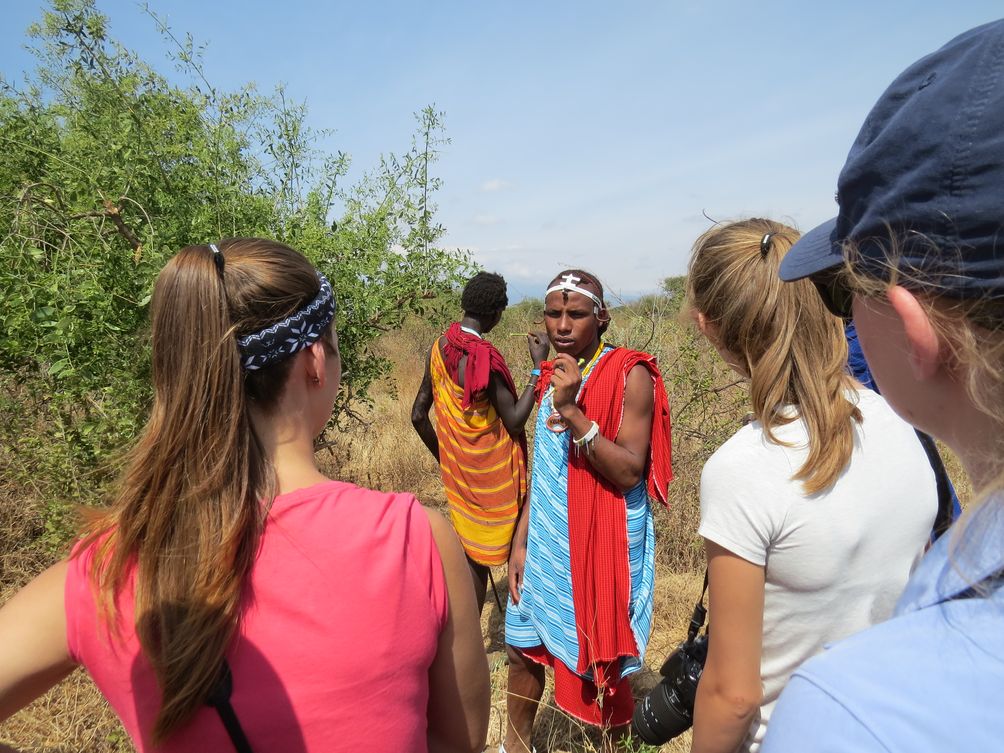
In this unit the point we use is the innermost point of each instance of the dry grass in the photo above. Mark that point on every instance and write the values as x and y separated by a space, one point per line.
385 453
554 731
72 716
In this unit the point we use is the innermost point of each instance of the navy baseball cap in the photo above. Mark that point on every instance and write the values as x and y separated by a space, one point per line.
926 174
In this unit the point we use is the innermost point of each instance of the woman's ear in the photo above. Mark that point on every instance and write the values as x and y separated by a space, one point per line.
922 338
314 357
704 325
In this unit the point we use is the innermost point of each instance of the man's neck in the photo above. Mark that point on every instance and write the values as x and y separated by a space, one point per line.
588 352
472 325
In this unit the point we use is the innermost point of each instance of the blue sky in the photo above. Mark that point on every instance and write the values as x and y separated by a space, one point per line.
589 134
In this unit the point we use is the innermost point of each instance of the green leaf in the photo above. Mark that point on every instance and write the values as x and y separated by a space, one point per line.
58 366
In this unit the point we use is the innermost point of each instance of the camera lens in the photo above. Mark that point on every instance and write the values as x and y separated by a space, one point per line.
660 716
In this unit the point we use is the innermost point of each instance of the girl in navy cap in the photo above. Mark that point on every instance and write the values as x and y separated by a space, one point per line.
914 256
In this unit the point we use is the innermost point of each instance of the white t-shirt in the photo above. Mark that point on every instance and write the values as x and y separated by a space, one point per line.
835 562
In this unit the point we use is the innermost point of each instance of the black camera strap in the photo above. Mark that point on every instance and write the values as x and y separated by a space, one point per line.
219 699
700 613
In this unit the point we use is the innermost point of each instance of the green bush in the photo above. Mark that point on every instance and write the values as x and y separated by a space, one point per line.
109 168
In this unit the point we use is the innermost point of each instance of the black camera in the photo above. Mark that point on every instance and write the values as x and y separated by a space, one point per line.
668 710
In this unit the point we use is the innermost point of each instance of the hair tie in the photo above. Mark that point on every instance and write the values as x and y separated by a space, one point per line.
765 244
217 258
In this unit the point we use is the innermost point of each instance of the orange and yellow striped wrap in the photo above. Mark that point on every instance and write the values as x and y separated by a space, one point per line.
483 468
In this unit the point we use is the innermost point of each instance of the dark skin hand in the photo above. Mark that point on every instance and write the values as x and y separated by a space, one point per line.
515 412
622 460
420 413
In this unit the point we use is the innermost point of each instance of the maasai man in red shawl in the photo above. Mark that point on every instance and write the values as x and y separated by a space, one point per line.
478 438
582 568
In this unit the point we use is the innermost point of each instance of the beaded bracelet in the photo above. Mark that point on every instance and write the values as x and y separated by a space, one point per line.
587 439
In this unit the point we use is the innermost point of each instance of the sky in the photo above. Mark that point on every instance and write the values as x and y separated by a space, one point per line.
600 135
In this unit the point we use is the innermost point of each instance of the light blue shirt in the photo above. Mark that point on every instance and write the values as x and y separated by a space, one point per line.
931 679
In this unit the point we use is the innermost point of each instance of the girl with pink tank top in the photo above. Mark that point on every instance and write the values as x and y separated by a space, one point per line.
233 598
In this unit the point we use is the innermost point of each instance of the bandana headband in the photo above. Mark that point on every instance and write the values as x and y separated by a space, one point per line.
568 284
292 334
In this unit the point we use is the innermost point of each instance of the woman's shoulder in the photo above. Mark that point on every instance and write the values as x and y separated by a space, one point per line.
354 498
875 407
919 682
748 466
883 433
749 444
337 520
342 509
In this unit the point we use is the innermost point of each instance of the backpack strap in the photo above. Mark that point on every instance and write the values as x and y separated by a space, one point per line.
943 518
980 588
219 699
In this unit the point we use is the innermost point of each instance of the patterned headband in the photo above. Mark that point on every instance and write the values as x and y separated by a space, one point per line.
292 334
568 284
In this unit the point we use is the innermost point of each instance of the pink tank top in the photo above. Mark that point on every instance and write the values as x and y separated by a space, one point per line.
346 603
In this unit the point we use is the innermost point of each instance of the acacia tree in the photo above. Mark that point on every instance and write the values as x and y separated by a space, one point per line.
110 167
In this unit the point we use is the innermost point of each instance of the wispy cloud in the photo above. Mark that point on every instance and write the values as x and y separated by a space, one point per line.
495 184
486 219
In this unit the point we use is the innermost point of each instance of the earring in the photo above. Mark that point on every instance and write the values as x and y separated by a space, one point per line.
315 380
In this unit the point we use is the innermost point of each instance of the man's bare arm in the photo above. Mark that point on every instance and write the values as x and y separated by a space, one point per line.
514 411
420 411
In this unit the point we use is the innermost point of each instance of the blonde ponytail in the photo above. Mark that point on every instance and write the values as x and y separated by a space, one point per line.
793 349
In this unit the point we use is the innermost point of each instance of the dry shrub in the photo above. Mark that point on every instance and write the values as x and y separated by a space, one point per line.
22 526
73 716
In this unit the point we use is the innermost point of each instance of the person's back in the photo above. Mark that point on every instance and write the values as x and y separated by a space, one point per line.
834 562
341 623
483 468
478 438
926 681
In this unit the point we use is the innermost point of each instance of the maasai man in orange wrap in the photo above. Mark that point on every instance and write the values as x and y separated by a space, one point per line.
478 437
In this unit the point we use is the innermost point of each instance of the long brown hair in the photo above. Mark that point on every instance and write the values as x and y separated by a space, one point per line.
793 349
189 509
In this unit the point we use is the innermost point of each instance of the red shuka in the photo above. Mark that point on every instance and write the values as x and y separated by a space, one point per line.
482 359
597 534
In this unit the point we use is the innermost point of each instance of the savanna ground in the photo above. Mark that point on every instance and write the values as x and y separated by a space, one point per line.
381 450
